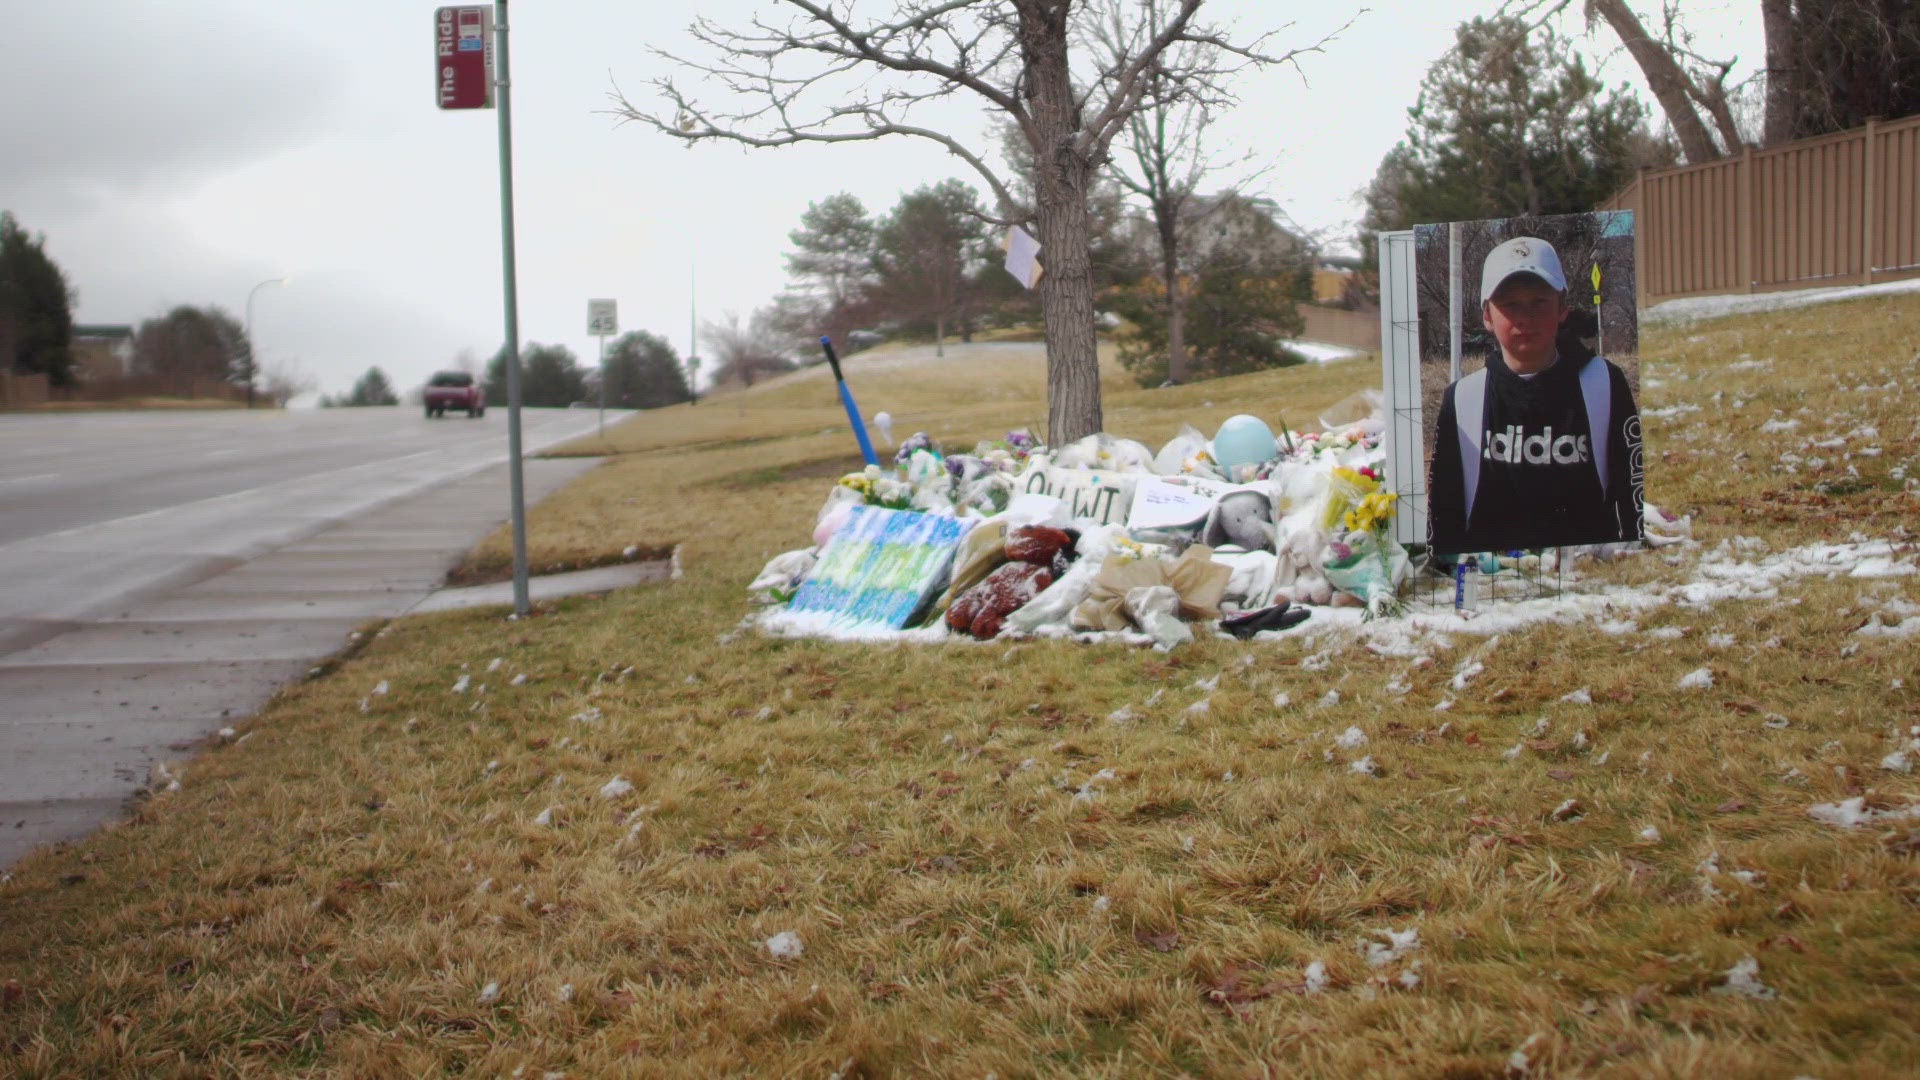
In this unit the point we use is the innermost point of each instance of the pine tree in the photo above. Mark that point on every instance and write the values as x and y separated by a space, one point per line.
1508 123
550 377
928 253
36 307
643 372
372 388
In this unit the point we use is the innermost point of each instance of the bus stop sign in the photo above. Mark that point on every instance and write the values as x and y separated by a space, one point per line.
463 56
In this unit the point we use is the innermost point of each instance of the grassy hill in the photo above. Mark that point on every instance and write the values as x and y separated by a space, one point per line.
1042 859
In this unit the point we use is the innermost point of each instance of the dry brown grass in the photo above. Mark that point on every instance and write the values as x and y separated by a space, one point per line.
140 404
312 901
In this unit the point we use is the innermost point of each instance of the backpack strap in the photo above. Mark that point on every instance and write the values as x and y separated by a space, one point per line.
1596 389
1469 409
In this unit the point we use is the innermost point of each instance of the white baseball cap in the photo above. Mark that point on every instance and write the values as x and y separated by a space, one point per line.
1521 255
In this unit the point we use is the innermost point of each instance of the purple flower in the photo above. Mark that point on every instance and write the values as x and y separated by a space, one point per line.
920 441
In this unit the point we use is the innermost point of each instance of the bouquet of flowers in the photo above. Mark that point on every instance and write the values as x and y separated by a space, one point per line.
1362 560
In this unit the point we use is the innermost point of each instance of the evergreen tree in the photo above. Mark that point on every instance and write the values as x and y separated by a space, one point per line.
1508 123
372 388
1247 277
643 372
36 307
550 377
928 255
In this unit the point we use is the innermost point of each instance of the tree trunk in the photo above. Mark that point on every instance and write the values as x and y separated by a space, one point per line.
1062 175
1776 18
1177 368
940 335
1664 77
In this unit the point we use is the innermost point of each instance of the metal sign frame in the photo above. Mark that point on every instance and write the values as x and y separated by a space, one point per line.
1400 380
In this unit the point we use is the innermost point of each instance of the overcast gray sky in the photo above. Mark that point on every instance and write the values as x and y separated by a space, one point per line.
180 151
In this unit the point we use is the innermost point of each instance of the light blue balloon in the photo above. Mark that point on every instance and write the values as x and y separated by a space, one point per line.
1244 440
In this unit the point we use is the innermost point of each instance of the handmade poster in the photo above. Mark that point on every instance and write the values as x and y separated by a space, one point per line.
1099 494
880 569
1222 513
1532 428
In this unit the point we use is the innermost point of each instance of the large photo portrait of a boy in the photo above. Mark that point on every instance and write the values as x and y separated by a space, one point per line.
1532 427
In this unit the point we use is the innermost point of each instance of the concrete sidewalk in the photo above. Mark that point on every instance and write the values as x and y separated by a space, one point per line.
91 709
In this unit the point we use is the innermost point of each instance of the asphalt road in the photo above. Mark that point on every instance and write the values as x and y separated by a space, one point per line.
162 574
96 508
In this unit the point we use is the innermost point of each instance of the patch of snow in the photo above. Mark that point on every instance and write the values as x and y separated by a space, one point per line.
1366 766
1397 944
1695 308
1582 696
1697 679
1671 411
1351 739
1314 979
615 788
1743 980
785 945
1320 352
1849 813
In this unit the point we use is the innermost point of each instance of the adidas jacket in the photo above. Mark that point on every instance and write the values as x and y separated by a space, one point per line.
1553 461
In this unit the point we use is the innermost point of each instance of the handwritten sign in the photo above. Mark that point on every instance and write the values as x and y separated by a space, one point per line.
1099 494
1172 502
1223 513
880 569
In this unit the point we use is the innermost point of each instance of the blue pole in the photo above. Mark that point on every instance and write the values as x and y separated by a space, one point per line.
846 399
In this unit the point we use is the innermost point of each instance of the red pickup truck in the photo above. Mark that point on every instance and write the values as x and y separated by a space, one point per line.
454 390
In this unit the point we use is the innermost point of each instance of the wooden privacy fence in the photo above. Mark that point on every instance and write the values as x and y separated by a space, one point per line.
20 391
1334 326
1834 210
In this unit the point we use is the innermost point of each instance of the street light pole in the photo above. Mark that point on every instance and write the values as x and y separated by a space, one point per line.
253 361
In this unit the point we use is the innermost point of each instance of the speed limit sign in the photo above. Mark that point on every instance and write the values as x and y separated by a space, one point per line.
601 318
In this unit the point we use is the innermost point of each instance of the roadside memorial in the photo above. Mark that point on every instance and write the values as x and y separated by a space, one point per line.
1252 533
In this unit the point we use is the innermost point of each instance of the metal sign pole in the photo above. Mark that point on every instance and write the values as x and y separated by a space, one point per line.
603 386
516 480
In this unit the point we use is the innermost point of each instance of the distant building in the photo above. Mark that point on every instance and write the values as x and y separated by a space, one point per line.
102 352
1330 283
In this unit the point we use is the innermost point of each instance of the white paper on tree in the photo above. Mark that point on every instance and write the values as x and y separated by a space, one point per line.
1023 256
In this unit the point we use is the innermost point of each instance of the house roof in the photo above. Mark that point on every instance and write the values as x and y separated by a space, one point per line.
102 330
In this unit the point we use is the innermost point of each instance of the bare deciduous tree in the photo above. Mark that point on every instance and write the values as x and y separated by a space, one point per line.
825 76
1163 161
1691 89
744 354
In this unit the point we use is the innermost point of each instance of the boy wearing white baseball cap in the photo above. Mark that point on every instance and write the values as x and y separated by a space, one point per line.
1541 448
